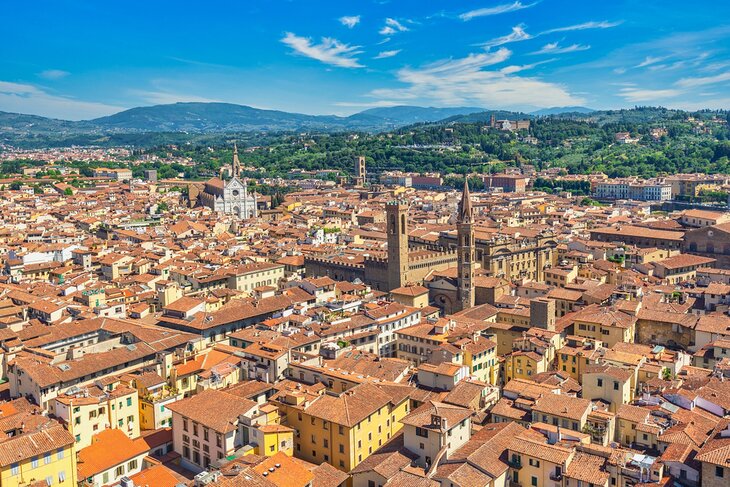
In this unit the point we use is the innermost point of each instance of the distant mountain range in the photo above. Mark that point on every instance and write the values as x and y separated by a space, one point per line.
227 117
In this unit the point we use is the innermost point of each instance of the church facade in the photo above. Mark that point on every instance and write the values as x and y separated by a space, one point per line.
230 197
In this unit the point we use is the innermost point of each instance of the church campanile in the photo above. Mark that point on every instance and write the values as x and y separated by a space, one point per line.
465 250
397 225
236 162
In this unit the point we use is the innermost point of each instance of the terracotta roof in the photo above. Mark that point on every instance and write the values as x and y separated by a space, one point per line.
588 468
538 449
563 406
108 449
227 406
24 446
284 471
155 476
421 417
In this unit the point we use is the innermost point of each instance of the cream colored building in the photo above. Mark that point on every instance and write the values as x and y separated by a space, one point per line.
97 408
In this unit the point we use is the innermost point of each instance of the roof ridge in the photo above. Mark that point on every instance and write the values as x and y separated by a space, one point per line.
347 408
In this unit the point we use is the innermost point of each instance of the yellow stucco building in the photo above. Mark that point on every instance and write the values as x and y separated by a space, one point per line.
343 429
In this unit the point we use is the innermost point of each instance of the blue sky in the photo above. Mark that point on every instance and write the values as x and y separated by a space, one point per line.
83 59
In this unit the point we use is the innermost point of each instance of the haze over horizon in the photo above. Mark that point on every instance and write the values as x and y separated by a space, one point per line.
78 60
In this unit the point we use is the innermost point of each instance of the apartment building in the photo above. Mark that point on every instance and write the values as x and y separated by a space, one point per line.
110 457
390 319
603 324
201 437
641 190
343 429
91 410
613 385
117 174
435 430
35 452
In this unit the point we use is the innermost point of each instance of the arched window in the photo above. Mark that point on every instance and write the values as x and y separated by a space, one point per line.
403 224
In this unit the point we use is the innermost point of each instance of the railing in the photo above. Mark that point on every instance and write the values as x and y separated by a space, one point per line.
556 476
516 464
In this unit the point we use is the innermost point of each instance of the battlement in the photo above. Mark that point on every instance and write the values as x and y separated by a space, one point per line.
430 255
372 262
420 257
333 263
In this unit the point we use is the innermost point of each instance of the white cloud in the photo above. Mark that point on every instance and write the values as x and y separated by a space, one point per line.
387 54
466 81
716 66
706 80
496 10
649 60
329 51
518 34
713 104
165 97
635 95
53 74
25 98
373 104
517 68
350 21
392 26
604 24
554 48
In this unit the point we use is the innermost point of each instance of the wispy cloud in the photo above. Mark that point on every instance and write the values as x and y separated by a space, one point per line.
329 51
518 34
468 80
649 60
25 98
555 48
702 81
517 68
194 62
604 24
496 10
392 26
716 66
53 74
637 95
350 21
387 54
711 103
371 104
161 97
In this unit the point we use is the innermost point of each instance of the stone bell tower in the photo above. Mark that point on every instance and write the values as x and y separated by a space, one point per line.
397 227
465 250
